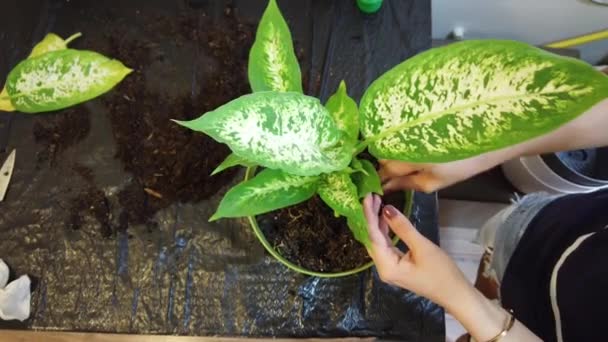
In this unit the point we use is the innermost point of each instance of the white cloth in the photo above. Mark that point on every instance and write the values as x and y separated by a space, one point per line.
14 297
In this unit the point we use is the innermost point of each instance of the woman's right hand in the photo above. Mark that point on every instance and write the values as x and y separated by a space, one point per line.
586 131
397 175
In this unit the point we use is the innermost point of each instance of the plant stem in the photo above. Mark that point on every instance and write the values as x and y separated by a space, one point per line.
72 37
361 146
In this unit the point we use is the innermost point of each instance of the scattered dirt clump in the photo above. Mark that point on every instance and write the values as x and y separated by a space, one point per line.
58 131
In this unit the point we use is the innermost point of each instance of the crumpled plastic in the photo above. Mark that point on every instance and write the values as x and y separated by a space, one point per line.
14 297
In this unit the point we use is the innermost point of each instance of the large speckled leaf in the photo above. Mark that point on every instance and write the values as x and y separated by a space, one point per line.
287 131
367 181
471 97
231 161
267 191
339 193
59 79
51 42
345 113
272 61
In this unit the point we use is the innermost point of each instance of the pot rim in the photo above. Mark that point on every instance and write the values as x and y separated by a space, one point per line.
564 171
409 195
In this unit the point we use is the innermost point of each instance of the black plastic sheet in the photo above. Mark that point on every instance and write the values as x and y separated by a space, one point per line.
185 275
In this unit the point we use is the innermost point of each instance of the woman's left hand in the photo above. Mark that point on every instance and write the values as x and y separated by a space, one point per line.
428 271
425 269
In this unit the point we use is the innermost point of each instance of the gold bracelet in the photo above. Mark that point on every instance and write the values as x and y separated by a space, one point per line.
508 325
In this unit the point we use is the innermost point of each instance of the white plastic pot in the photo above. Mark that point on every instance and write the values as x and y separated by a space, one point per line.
532 174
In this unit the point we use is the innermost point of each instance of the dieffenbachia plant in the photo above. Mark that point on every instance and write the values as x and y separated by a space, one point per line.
442 105
55 77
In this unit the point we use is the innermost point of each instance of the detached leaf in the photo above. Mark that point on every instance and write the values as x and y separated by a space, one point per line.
51 42
231 161
61 79
339 193
368 181
345 113
269 190
287 131
272 61
472 97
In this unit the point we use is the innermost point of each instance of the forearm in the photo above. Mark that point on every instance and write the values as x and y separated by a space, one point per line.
587 131
483 319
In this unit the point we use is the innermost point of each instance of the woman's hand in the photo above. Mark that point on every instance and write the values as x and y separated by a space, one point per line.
398 175
428 271
425 269
587 130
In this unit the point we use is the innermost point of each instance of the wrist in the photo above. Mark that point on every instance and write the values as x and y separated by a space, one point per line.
481 317
558 140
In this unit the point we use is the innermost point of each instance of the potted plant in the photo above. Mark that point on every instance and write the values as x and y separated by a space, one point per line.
445 104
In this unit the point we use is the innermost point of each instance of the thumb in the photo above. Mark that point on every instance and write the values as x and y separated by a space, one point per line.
403 228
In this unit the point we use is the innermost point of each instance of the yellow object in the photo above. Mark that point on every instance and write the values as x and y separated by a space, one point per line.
5 102
580 40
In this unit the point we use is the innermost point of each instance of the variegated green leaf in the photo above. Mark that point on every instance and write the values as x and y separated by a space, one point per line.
471 97
287 131
272 61
357 223
51 42
269 190
345 113
231 161
368 181
59 79
339 193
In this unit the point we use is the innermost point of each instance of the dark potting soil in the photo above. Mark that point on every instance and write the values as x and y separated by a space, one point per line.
171 163
58 131
94 202
309 235
183 68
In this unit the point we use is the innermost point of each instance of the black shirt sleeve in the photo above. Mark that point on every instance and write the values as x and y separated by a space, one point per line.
582 279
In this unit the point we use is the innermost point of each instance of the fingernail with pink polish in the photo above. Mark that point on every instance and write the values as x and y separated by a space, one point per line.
390 212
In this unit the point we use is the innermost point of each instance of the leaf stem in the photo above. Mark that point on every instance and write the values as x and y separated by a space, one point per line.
361 146
72 37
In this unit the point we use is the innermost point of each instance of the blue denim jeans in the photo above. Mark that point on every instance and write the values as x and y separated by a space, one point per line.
502 233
